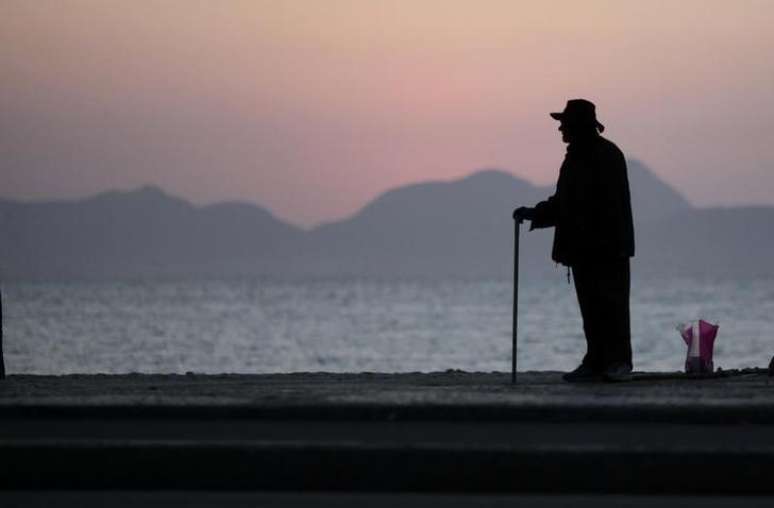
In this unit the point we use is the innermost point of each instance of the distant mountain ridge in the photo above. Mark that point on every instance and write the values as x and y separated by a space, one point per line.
140 233
459 228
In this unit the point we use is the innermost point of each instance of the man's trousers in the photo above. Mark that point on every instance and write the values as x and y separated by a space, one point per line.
603 288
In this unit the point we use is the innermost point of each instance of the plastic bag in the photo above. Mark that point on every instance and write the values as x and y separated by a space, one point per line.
699 336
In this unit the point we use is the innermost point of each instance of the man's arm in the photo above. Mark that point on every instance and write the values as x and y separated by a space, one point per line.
545 214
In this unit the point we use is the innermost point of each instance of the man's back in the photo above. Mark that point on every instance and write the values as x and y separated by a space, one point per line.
593 203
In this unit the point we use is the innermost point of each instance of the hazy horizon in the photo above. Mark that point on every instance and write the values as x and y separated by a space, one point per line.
311 110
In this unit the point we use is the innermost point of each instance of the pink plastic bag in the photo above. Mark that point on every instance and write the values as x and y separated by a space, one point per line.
699 336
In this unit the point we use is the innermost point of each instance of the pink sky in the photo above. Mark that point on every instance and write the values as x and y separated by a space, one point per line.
312 108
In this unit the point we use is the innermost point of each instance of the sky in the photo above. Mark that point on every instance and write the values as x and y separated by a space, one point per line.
312 108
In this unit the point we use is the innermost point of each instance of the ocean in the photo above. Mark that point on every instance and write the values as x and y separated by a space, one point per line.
352 325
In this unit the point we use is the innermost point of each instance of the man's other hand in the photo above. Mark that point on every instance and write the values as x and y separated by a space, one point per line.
524 213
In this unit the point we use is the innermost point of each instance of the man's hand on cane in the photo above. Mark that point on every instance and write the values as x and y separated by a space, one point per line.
524 213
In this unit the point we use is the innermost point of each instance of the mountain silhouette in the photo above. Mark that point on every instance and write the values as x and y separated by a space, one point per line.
461 229
710 242
144 233
652 198
428 229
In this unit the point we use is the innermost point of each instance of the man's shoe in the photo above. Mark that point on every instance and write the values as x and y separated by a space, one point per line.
583 374
618 372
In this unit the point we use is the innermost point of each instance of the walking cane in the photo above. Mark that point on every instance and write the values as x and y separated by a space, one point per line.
517 223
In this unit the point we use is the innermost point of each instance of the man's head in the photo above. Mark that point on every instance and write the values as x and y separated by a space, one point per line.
578 119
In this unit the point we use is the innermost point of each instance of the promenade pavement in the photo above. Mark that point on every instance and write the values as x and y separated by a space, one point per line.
439 433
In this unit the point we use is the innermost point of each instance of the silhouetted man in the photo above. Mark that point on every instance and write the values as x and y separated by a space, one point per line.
594 236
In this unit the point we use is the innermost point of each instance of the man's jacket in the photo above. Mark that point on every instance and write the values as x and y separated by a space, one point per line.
591 208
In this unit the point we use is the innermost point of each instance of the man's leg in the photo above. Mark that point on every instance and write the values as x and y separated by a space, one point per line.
586 288
614 290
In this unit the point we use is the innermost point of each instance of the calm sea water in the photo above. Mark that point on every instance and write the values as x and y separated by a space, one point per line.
357 325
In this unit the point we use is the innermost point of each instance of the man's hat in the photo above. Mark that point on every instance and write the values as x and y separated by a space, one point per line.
579 112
